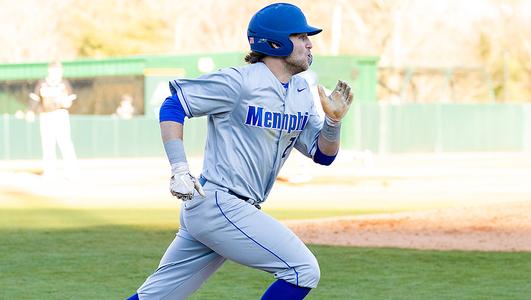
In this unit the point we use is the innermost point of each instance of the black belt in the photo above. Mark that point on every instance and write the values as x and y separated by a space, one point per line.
203 180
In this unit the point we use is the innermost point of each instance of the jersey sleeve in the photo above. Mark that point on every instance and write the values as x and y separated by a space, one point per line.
307 141
34 103
211 94
37 89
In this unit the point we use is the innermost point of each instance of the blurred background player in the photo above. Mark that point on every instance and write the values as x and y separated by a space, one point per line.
125 110
51 99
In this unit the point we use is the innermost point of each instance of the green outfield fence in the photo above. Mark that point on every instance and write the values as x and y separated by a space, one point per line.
17 80
373 126
376 127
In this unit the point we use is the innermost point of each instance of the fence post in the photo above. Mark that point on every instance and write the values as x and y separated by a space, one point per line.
526 132
6 143
115 137
384 128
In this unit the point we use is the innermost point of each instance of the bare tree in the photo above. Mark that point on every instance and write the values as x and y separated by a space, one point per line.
469 47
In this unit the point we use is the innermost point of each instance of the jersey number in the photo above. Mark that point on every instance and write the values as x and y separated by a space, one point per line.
291 142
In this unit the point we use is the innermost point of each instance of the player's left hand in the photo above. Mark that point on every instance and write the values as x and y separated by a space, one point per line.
337 104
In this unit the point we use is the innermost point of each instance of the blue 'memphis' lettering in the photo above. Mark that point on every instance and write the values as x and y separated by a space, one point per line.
285 121
292 123
256 116
277 119
267 119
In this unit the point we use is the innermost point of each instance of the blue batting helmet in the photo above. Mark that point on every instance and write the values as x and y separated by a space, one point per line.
274 24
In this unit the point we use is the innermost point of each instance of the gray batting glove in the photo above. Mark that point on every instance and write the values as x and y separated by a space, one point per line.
182 183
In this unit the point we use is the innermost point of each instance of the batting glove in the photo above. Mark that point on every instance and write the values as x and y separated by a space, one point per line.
182 183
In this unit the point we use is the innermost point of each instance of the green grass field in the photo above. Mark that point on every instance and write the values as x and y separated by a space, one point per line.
107 254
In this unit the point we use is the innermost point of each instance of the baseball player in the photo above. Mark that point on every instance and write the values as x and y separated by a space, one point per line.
51 99
256 115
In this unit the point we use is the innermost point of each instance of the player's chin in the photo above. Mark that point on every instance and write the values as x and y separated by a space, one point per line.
298 66
301 69
305 64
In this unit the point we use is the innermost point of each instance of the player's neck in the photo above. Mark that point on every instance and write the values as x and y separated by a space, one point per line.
277 66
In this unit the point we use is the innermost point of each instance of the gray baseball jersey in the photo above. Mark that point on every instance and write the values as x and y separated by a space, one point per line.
253 124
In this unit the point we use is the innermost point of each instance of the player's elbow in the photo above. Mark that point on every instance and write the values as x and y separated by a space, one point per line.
324 162
171 110
323 159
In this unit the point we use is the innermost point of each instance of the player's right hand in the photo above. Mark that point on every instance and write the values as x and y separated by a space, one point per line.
182 183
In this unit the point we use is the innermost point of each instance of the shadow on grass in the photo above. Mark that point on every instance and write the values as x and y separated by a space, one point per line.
60 218
111 261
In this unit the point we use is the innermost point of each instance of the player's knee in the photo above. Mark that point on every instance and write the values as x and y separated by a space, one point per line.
310 274
315 273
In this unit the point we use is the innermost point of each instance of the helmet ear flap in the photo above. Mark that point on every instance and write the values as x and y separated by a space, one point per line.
273 45
278 46
281 46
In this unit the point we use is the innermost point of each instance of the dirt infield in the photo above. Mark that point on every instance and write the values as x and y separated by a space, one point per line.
461 202
499 227
454 201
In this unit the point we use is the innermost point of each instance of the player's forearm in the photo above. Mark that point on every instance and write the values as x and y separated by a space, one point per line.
328 141
172 137
182 183
170 130
327 147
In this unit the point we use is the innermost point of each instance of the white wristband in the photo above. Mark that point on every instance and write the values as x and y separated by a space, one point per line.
175 151
332 122
331 130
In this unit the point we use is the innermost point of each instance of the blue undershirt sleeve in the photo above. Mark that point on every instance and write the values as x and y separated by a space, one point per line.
172 110
321 158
